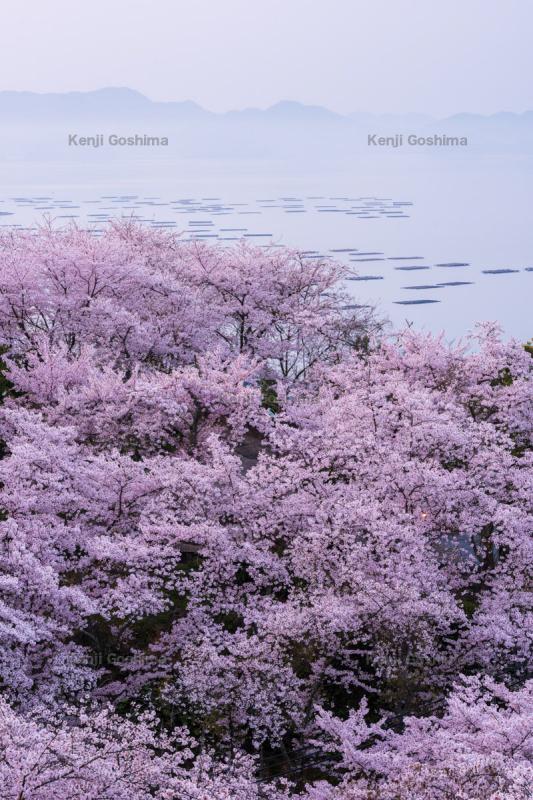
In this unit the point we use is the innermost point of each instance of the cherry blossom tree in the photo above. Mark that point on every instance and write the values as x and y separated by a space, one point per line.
482 747
238 520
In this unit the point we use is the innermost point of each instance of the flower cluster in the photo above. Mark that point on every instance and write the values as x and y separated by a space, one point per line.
251 547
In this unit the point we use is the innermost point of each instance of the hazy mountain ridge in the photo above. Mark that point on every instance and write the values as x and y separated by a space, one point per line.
37 127
123 101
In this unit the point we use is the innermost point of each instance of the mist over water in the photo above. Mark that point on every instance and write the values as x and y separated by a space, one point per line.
455 229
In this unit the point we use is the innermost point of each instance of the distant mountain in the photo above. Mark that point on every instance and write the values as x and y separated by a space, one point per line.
109 103
287 111
117 103
34 126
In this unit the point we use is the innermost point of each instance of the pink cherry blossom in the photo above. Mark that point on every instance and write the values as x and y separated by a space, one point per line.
252 545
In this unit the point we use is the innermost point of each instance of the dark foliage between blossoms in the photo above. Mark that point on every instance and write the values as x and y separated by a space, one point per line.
249 546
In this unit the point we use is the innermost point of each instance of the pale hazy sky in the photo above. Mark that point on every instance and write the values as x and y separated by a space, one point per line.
434 56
